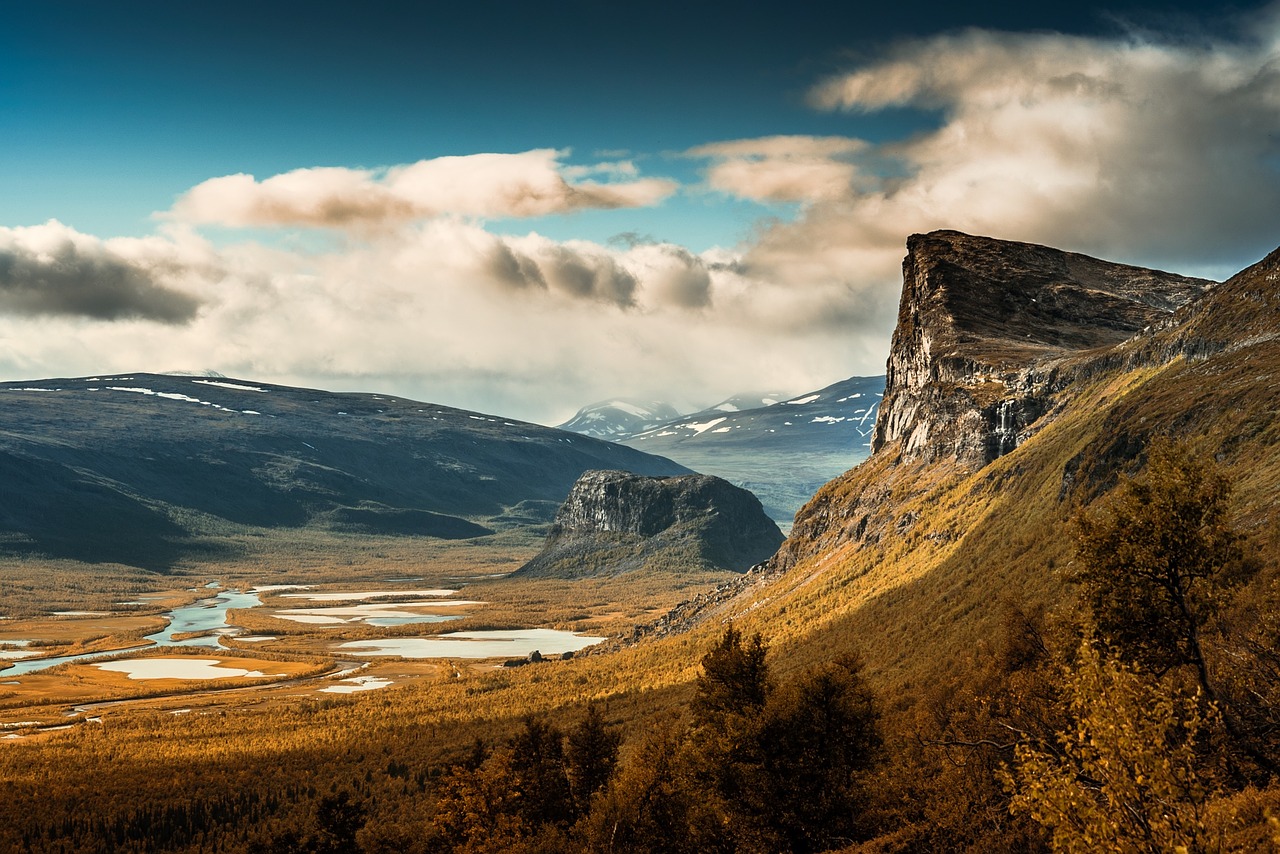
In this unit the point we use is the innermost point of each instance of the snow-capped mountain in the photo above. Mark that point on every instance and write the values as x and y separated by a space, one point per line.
749 400
782 451
619 418
781 447
839 417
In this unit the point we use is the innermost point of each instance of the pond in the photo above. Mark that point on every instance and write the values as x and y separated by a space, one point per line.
207 615
511 643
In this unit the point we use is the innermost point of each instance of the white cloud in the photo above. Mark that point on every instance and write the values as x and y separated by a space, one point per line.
783 168
1135 150
449 312
532 183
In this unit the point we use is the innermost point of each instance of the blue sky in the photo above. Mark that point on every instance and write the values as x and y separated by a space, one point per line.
729 190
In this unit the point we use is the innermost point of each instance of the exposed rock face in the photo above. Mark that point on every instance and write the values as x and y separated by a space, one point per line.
615 522
985 329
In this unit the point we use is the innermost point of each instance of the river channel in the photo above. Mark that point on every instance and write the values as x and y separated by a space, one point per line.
208 616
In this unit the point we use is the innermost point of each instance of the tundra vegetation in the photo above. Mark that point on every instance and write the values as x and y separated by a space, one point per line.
1063 732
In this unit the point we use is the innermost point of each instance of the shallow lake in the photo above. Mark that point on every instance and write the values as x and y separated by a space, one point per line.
180 668
367 594
359 683
206 615
514 643
391 614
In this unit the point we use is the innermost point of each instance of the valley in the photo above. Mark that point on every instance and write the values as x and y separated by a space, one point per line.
932 621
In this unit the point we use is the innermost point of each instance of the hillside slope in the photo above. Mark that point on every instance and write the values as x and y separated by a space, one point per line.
135 469
912 556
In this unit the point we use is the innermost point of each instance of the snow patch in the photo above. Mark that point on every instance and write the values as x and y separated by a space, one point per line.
168 395
628 408
702 427
808 398
235 386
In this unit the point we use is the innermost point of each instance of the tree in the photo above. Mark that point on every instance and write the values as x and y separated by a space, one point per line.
723 749
1123 777
820 733
590 754
734 680
538 775
1154 557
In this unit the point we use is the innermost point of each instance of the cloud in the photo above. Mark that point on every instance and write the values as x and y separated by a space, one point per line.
51 270
532 183
1154 151
447 311
783 168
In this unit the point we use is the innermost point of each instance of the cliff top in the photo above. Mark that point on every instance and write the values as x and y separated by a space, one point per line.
1005 301
615 522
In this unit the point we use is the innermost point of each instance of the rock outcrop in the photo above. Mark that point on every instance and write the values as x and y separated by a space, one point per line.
985 330
615 522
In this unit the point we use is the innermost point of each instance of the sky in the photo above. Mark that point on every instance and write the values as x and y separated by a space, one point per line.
523 208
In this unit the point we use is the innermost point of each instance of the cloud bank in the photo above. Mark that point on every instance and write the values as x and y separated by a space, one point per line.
1128 148
50 270
532 183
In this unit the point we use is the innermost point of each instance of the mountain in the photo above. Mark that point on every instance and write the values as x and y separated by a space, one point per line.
1023 382
619 418
137 468
615 522
988 330
750 400
782 451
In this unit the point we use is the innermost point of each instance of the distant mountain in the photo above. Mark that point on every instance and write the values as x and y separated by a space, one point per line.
781 451
619 418
750 400
137 468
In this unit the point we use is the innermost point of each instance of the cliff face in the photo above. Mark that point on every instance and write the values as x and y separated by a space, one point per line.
989 329
615 522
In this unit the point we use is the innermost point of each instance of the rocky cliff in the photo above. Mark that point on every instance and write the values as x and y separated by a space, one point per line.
989 329
615 522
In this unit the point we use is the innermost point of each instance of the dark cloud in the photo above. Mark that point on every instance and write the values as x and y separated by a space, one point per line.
76 281
632 239
586 276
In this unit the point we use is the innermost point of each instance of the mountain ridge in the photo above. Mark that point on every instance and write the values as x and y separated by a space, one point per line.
146 446
908 556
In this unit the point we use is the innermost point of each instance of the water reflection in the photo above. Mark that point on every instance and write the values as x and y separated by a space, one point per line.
205 616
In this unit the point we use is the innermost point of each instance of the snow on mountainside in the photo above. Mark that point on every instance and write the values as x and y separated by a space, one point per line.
780 447
839 417
619 418
751 400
